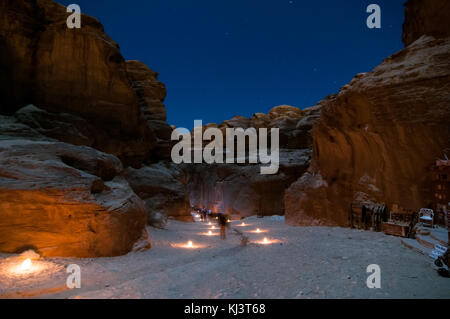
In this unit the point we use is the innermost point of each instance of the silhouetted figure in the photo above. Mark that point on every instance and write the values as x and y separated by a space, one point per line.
203 215
222 220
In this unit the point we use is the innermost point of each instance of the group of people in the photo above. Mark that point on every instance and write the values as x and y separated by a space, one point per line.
222 219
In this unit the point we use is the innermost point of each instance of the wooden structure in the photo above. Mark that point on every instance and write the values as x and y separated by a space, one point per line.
396 229
441 189
367 216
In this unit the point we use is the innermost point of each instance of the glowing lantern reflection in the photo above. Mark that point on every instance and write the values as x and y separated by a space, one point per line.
209 233
258 231
26 265
267 241
188 245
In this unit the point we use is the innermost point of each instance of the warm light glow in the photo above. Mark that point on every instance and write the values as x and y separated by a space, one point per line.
209 233
243 225
267 241
214 227
26 265
189 245
209 223
258 231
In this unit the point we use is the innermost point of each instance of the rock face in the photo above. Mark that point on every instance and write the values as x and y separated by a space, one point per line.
426 17
162 186
64 94
376 139
74 71
240 189
151 94
64 200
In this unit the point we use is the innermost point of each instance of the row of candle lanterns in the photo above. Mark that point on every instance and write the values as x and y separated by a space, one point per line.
210 233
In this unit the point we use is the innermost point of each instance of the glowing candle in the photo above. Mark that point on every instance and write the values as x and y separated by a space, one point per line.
267 241
26 265
189 244
210 233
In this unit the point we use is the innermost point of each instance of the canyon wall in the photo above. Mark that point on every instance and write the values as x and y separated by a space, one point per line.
75 120
64 200
79 72
241 189
426 17
378 138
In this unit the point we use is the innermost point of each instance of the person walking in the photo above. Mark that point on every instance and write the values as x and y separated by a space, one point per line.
222 220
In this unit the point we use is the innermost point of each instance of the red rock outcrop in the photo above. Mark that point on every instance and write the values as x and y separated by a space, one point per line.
376 139
162 186
64 200
151 94
426 17
56 199
79 72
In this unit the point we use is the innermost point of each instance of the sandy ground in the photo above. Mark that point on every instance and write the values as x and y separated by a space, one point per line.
308 262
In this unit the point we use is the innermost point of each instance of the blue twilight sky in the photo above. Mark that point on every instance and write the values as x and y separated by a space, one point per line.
220 58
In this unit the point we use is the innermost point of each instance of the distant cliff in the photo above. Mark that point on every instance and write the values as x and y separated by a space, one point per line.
376 139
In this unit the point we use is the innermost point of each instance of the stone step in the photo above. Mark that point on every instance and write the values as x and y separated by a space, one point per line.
416 246
440 234
428 241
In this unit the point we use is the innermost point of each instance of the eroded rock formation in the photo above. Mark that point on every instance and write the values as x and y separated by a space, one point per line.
240 189
75 71
376 139
426 17
64 200
68 97
162 186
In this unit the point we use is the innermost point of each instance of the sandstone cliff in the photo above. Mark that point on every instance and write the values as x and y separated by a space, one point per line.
64 200
426 17
74 116
240 189
377 139
79 72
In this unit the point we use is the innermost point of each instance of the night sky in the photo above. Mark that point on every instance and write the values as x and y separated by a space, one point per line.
221 58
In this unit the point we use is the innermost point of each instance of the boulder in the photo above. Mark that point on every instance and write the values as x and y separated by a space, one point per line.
68 201
163 190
